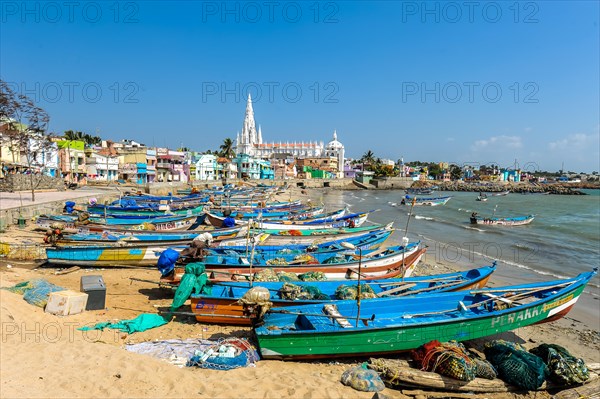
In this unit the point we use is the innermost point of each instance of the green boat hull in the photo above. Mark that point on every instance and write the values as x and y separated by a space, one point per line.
369 341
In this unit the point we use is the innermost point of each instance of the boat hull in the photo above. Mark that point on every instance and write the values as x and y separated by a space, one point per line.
225 310
408 333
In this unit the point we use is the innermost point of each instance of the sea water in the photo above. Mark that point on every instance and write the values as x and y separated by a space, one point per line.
562 241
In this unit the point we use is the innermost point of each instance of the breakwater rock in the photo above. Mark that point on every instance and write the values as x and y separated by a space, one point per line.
522 188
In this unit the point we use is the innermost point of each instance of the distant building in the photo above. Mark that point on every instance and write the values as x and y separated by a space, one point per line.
251 142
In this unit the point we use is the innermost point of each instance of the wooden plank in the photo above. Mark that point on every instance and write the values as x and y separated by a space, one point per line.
67 271
395 290
430 394
506 301
589 391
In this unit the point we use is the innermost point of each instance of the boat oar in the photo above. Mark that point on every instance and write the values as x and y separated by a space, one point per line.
283 311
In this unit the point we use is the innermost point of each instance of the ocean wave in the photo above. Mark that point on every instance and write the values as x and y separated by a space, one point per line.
474 228
424 217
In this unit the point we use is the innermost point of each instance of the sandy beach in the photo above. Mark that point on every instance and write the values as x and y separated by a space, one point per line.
43 355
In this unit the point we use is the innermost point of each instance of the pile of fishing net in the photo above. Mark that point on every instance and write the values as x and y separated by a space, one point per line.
338 258
452 360
305 259
515 365
287 276
564 368
293 292
277 261
351 292
363 379
288 251
266 275
313 276
256 301
227 354
36 291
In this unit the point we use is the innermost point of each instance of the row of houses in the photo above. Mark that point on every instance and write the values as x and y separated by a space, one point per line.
130 161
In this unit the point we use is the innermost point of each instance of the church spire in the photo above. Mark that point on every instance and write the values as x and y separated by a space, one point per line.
334 134
249 135
259 135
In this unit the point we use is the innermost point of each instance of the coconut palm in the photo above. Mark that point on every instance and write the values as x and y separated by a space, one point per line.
227 148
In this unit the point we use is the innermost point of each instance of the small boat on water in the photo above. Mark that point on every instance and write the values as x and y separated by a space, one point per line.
501 194
509 221
482 197
419 191
222 305
417 201
389 325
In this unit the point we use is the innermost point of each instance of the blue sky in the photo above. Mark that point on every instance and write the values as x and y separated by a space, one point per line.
435 81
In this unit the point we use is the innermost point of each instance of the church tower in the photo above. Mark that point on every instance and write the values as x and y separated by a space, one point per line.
249 135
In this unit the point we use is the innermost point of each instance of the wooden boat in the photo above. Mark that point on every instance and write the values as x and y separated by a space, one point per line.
351 220
433 201
511 221
222 305
400 266
106 256
145 212
317 253
304 217
482 197
152 237
296 214
306 237
419 191
391 325
71 227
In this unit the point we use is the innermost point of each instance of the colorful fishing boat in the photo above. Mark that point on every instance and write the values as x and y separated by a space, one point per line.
351 220
378 266
306 237
72 227
223 305
384 326
510 221
300 213
315 253
418 201
107 256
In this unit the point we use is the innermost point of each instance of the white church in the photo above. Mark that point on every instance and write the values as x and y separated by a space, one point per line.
251 142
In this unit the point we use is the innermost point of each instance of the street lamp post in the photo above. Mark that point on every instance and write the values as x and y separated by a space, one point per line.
351 246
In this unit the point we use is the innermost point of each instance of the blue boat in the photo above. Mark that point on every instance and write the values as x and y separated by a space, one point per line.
223 305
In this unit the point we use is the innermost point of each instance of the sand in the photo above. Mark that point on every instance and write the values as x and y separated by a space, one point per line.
43 355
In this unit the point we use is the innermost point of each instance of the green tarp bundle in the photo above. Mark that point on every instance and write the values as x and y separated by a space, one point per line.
143 322
194 280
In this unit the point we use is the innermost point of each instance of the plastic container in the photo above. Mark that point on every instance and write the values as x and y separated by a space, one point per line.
65 303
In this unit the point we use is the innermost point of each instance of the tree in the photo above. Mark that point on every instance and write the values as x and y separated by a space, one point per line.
368 157
88 139
455 172
25 132
227 149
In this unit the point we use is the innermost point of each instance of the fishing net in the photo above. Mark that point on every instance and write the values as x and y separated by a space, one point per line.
450 359
565 369
293 292
313 276
36 291
305 259
288 251
266 275
351 292
256 301
227 354
287 276
277 261
195 280
515 365
363 379
335 259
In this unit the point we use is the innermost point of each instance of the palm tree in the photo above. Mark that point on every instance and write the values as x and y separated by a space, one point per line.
227 148
88 139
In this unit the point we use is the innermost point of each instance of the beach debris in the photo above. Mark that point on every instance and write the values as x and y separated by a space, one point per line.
515 365
226 354
143 322
564 368
36 291
363 379
65 303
